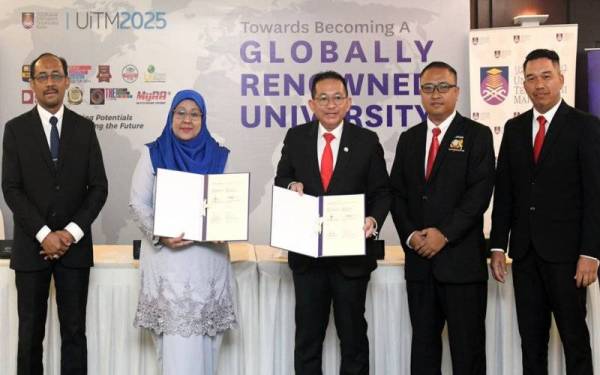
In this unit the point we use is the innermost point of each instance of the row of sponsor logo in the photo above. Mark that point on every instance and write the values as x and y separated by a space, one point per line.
494 88
516 39
494 85
129 74
100 96
95 20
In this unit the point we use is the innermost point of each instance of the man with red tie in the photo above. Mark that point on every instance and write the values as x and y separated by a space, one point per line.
331 156
442 180
547 215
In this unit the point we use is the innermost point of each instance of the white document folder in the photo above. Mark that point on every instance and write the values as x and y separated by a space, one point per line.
330 225
203 207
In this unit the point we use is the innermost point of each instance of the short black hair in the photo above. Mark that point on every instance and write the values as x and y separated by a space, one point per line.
441 65
542 53
330 74
45 54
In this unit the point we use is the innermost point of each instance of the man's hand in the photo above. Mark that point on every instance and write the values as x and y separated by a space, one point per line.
66 238
298 187
498 265
370 227
417 240
53 246
175 242
434 241
587 271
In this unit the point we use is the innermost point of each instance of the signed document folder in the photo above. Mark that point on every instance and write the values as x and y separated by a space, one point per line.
210 207
330 225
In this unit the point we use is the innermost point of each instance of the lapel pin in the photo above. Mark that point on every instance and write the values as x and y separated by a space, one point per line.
345 149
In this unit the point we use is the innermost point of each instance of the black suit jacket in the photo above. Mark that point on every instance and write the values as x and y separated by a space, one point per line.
452 200
360 170
38 193
554 204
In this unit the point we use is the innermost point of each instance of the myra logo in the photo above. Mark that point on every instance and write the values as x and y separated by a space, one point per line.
152 97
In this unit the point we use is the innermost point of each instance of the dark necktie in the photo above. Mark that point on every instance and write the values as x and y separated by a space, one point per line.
327 161
539 138
433 150
54 139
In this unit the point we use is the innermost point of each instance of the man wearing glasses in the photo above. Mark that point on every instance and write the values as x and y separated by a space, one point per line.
330 156
54 182
442 180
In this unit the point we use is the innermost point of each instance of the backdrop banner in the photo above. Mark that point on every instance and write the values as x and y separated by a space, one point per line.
496 67
496 59
593 55
251 60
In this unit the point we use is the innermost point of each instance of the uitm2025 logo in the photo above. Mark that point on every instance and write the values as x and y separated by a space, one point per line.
494 84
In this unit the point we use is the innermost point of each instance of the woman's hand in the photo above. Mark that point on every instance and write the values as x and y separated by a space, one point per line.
175 242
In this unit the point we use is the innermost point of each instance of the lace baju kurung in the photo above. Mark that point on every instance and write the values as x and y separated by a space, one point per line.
184 292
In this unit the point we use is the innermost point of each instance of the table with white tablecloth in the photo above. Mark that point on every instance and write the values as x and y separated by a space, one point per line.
264 341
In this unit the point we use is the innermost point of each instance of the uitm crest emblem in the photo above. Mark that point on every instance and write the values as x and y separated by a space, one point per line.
494 84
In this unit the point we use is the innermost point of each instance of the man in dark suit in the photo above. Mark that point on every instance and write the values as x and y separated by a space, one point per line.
547 199
333 157
442 180
54 182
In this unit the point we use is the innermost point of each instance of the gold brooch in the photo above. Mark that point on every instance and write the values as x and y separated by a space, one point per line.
457 144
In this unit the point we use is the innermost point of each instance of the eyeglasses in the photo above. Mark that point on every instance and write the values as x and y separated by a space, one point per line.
324 100
442 87
182 115
54 77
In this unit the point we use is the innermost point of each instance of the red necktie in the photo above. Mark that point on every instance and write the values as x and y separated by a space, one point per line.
539 138
433 150
327 161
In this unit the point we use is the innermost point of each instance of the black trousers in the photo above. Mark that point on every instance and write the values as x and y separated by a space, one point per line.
315 290
463 306
32 304
542 288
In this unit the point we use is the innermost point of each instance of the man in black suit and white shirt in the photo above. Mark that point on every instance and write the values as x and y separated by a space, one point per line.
547 200
442 180
333 157
54 182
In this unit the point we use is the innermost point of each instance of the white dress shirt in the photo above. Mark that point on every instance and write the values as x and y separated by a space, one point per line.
549 115
45 117
72 228
335 143
443 126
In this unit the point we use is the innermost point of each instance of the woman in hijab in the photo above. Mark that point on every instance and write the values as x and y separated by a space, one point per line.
186 297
